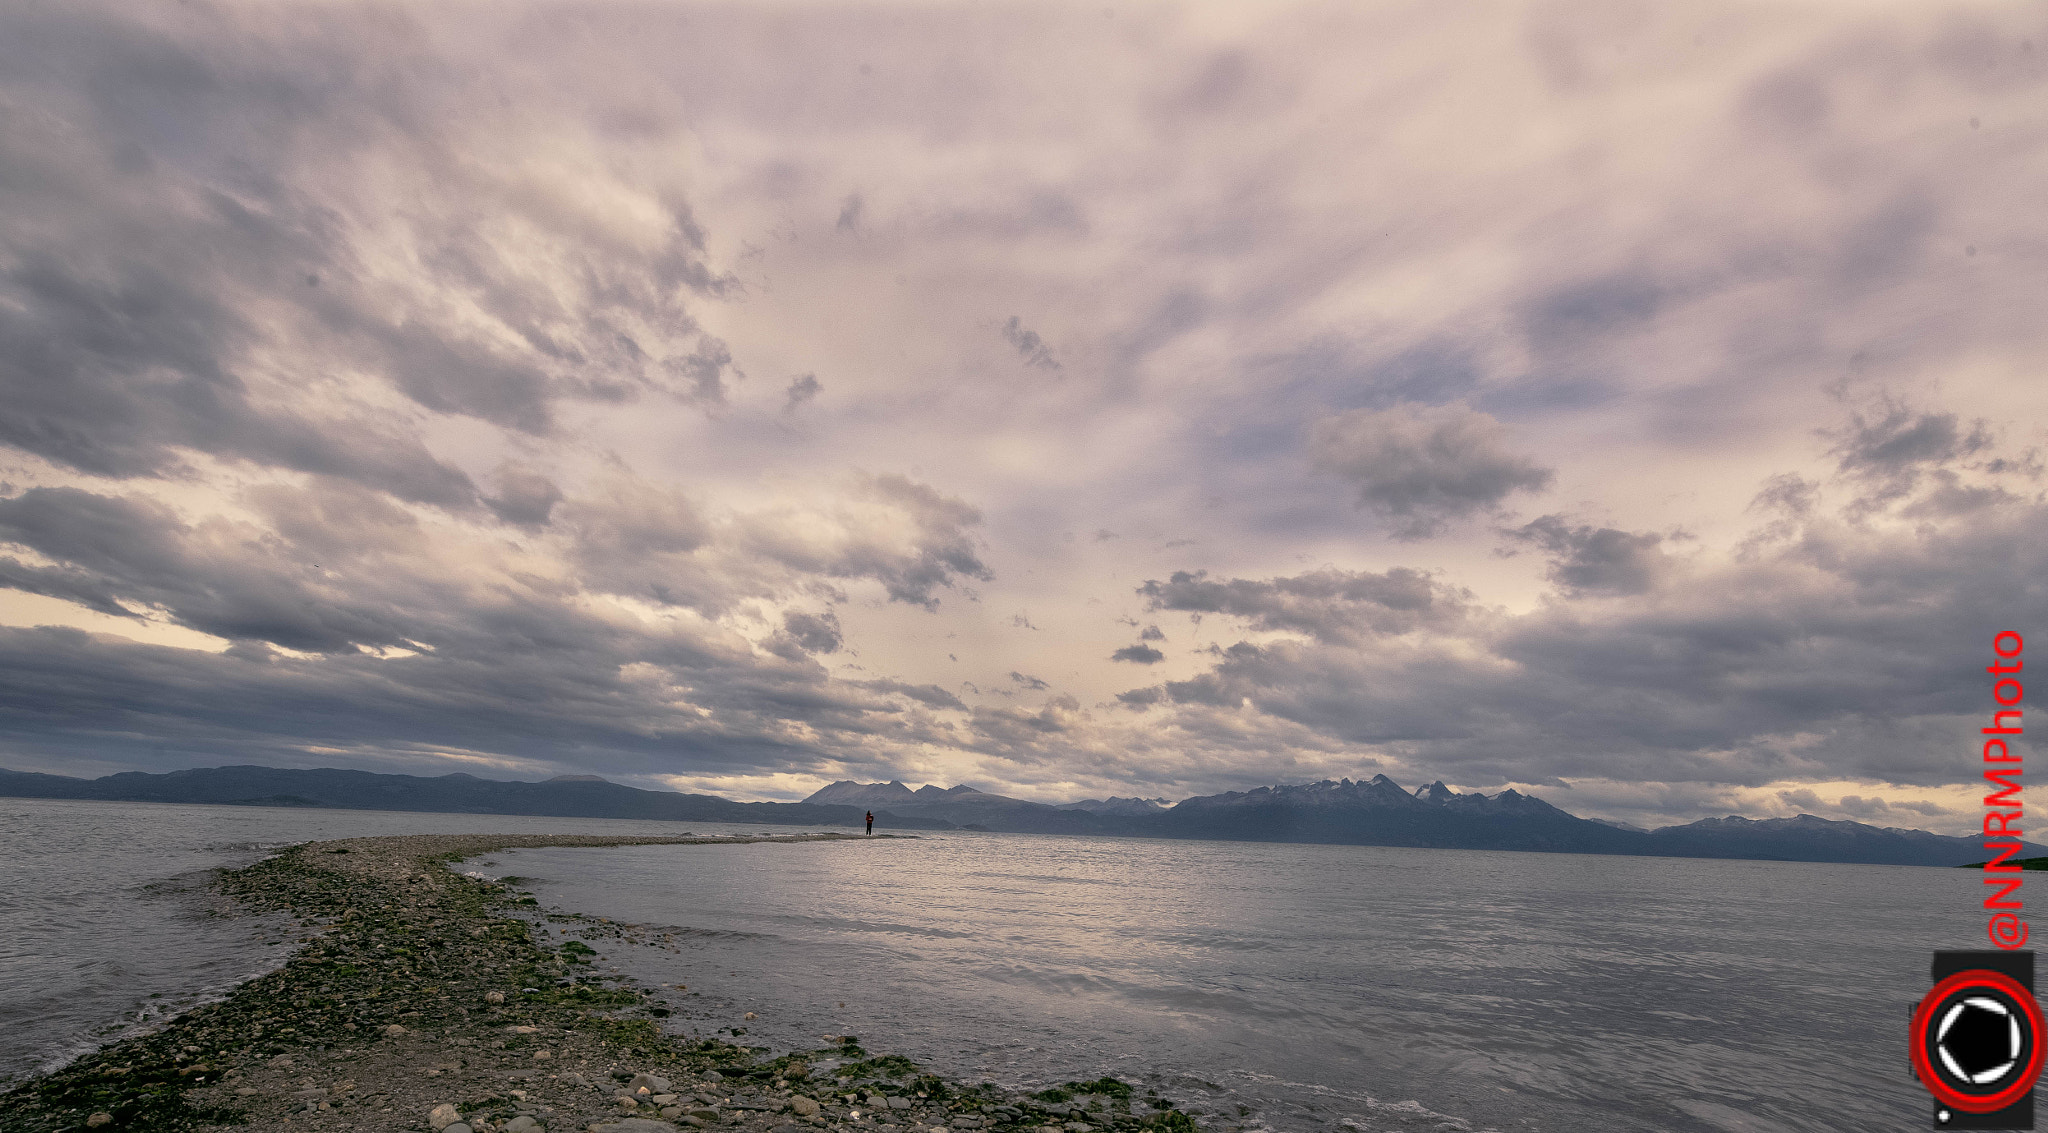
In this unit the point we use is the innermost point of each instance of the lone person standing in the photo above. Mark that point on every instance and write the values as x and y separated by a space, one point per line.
871 822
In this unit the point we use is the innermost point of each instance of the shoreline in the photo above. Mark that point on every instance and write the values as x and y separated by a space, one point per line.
419 1000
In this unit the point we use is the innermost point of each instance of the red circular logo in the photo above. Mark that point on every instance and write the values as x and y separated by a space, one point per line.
2004 1041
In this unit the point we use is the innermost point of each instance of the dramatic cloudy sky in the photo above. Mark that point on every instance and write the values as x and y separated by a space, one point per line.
1637 403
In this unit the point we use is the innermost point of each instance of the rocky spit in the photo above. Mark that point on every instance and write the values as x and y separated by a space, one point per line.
422 999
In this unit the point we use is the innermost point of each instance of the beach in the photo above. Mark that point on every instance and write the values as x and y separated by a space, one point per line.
422 999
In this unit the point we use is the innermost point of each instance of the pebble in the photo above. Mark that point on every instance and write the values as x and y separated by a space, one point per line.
651 1083
394 1029
494 997
99 1119
804 1107
441 1117
524 1123
636 1125
458 1127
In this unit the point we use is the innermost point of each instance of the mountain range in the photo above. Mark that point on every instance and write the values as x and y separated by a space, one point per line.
1375 812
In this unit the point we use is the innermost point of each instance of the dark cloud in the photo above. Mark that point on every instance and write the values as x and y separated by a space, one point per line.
1032 683
702 372
1152 633
1586 560
802 389
1842 654
1890 451
815 633
165 293
1330 605
850 213
1420 467
1030 347
525 497
931 696
1138 654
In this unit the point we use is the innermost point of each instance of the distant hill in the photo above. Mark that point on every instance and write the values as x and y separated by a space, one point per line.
568 797
1379 812
1114 805
1374 812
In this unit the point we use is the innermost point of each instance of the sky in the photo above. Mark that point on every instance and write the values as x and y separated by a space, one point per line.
1635 404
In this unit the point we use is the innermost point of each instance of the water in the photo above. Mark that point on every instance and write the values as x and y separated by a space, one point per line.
1394 989
1305 985
106 924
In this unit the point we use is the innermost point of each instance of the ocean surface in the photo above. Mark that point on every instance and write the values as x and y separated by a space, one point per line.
106 924
1265 986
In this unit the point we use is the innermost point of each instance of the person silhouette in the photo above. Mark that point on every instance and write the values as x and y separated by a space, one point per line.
871 822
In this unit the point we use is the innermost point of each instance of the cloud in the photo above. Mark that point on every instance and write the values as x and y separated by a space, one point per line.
1423 467
1329 605
1892 451
1585 560
1138 654
401 359
802 389
525 497
814 633
1030 347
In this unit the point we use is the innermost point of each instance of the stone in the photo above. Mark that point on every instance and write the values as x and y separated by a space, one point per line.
804 1107
540 1054
99 1119
394 1029
459 1127
899 1103
671 1112
245 1091
651 1083
494 997
441 1117
704 1113
636 1125
524 1123
663 1099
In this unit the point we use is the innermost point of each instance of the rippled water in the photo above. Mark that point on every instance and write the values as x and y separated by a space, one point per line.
105 922
1308 985
1311 985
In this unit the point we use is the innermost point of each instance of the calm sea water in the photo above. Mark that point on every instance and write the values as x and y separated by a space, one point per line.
105 922
1283 987
1313 985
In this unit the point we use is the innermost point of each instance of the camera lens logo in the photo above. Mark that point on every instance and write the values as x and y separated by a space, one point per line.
1977 1041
